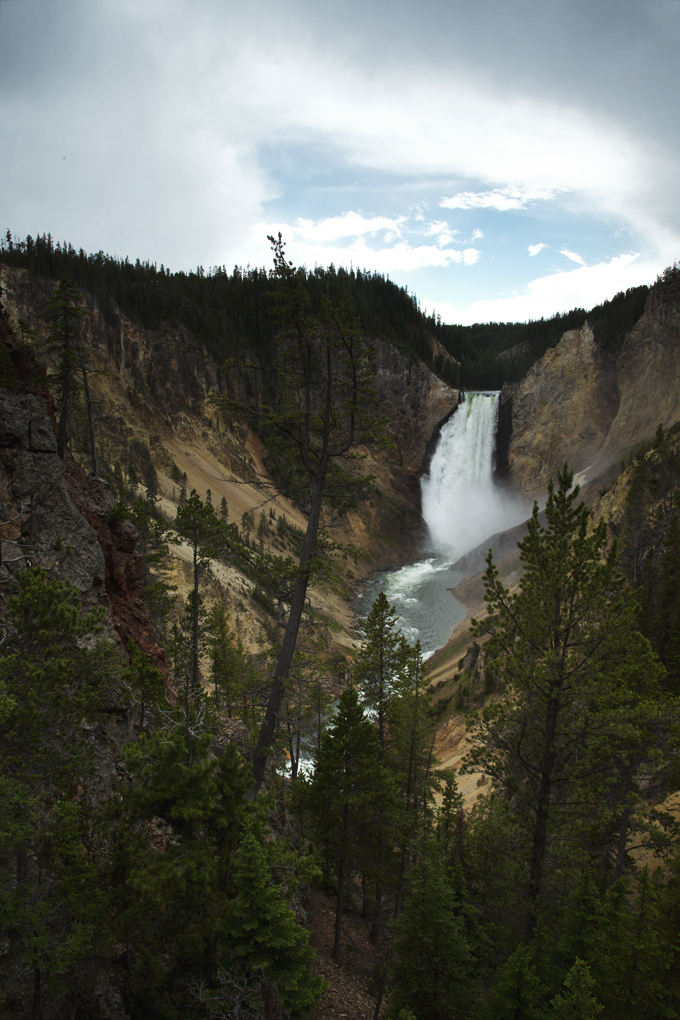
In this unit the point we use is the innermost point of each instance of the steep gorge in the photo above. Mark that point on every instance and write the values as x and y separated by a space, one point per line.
153 393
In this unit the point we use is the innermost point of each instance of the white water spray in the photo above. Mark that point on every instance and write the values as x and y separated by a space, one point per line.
461 504
462 507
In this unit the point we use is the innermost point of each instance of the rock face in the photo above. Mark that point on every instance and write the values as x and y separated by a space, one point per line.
153 393
57 519
42 526
586 405
416 402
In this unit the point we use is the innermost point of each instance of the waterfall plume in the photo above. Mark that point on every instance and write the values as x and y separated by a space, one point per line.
461 503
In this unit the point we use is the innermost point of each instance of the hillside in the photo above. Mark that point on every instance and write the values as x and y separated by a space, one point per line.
230 313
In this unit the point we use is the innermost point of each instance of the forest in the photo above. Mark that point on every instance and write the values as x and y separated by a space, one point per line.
230 313
181 870
558 895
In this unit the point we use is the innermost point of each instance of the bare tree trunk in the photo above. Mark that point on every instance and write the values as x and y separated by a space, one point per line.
623 827
272 1000
540 834
342 878
62 428
22 865
285 658
195 675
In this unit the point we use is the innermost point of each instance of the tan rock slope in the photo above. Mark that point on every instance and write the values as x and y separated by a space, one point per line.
585 405
153 393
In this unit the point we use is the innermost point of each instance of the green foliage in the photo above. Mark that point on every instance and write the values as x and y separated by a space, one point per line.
576 1002
583 701
263 935
54 680
346 785
176 830
349 787
518 992
378 665
230 312
431 975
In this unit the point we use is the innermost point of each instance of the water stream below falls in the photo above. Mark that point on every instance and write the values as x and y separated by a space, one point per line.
461 505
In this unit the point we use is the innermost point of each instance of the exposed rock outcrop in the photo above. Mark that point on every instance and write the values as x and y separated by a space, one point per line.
42 526
153 391
587 405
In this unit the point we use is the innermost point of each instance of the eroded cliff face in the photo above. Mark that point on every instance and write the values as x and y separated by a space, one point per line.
587 406
54 517
152 393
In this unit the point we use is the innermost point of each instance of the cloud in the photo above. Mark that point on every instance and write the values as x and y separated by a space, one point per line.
534 249
180 139
477 235
442 231
349 224
558 292
573 256
307 248
501 199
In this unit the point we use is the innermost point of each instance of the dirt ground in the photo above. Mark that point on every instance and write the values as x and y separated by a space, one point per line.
349 982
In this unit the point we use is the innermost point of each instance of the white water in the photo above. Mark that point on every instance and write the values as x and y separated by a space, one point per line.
461 503
461 506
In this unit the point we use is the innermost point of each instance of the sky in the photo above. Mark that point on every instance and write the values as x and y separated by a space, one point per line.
503 160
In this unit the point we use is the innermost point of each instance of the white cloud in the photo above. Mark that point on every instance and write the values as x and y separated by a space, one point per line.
558 292
441 230
349 224
477 235
306 249
534 249
573 256
502 199
165 146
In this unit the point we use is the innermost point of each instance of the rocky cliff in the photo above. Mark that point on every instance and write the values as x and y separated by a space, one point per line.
586 404
152 393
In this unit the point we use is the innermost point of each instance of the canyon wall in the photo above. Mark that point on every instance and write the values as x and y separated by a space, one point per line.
153 395
588 405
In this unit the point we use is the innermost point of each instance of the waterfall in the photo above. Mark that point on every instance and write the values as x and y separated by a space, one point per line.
461 504
462 507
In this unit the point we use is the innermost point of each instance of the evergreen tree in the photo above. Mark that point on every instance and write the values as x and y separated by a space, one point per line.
196 521
263 935
320 412
224 658
63 312
379 664
174 833
55 678
348 783
576 1002
431 975
582 686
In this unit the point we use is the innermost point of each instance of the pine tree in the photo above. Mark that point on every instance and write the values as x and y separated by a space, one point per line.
64 312
348 784
175 832
196 521
379 664
322 410
431 974
54 674
224 658
576 1002
582 686
262 933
